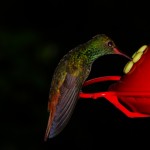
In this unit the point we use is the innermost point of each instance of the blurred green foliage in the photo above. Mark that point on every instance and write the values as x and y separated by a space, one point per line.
26 70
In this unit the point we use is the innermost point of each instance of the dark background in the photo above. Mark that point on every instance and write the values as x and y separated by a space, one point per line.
34 35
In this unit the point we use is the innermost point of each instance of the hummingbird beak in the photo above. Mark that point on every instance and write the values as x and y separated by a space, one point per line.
120 53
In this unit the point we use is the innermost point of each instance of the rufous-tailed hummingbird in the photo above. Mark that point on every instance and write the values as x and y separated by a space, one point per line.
69 76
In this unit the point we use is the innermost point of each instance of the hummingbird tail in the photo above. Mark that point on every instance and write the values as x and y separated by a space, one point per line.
48 127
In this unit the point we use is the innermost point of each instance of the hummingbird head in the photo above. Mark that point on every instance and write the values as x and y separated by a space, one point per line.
107 46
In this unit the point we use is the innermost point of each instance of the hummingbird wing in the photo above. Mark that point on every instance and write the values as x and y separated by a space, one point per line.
69 92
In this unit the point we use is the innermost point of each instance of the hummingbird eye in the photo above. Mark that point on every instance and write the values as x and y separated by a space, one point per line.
110 43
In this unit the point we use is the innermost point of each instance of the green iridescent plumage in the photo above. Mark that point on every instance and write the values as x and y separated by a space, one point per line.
68 78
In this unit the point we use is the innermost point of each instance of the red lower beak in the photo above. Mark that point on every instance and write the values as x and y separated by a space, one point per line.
120 53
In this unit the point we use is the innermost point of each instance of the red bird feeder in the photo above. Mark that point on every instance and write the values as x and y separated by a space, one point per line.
131 92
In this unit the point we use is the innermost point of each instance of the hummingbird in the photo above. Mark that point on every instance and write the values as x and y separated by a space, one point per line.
68 78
